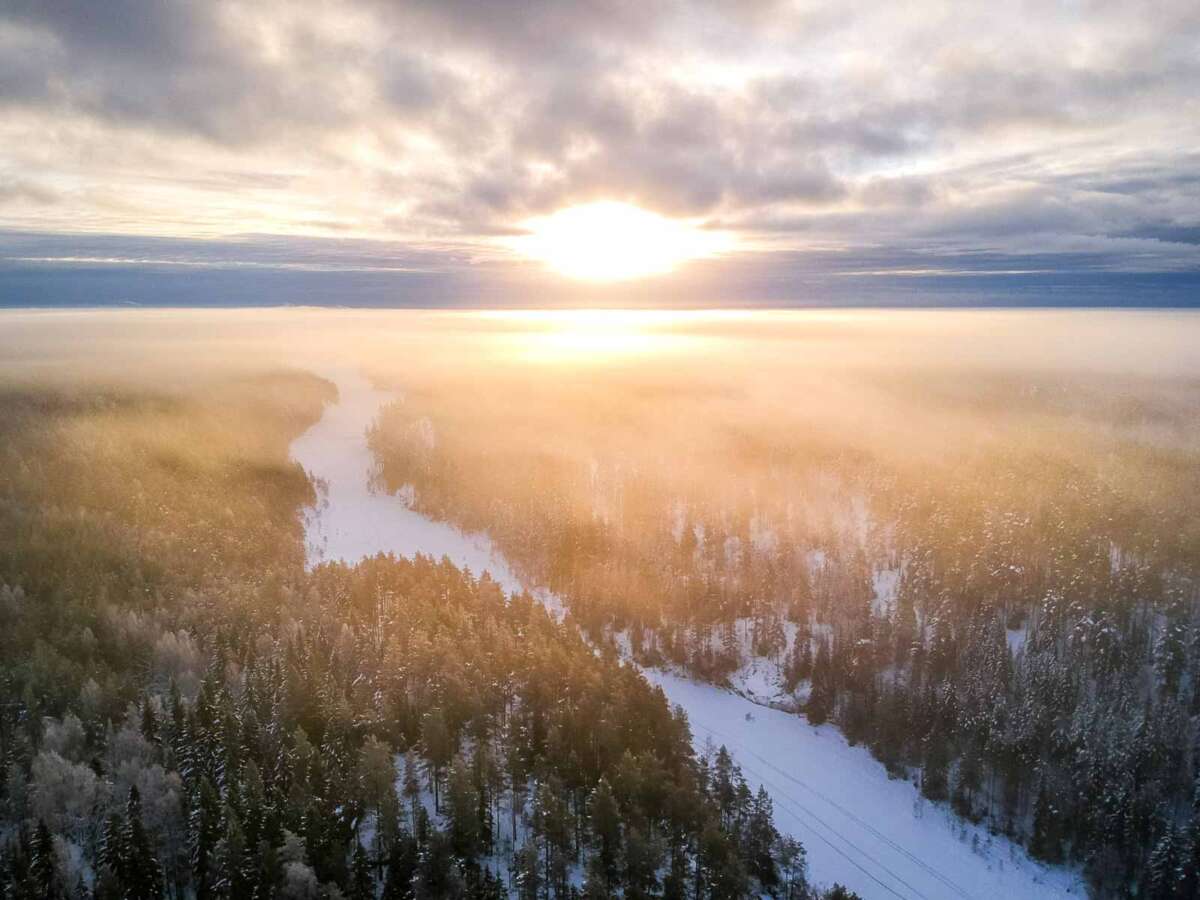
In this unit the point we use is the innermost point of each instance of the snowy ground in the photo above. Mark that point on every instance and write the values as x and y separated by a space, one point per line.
871 833
352 520
860 828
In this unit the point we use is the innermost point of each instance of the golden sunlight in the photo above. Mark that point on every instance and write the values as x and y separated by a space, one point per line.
593 335
609 241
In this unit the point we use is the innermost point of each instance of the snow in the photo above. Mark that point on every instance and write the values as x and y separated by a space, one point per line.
353 519
873 834
1016 638
760 680
886 586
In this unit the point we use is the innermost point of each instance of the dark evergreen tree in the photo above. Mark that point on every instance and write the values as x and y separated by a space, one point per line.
142 873
362 885
1047 841
43 870
760 841
205 828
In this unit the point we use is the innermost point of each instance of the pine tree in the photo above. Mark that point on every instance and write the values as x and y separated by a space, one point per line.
604 817
1164 868
401 868
642 859
436 740
205 828
821 697
760 841
362 886
143 874
412 785
462 807
527 875
110 858
43 871
721 872
967 784
552 822
935 773
1046 842
436 875
792 862
675 885
235 868
596 884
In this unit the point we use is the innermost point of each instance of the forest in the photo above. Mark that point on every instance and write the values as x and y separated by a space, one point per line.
978 557
988 574
187 711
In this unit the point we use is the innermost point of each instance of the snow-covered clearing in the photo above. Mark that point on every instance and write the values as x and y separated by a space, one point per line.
871 833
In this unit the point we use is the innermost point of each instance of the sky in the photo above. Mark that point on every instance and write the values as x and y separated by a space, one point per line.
397 153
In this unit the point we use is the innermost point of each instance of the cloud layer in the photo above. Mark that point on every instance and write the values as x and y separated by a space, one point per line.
929 140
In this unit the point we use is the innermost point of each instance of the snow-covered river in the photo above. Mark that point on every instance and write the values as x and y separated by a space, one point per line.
871 833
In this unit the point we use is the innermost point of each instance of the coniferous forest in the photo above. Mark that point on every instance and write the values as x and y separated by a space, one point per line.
548 449
189 712
986 574
988 577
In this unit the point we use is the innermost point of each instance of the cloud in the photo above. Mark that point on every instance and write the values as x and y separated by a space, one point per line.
950 132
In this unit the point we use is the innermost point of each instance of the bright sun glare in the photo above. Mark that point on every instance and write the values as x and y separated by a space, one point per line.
610 241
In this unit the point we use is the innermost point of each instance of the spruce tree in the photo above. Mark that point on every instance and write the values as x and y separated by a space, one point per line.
362 885
205 827
43 871
760 841
110 858
1046 842
604 817
401 868
143 874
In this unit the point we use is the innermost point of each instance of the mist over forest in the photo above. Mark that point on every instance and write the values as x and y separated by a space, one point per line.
966 542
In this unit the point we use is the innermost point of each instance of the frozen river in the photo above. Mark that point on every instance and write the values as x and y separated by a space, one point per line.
871 833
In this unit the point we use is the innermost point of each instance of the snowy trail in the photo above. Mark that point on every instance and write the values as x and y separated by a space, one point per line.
873 834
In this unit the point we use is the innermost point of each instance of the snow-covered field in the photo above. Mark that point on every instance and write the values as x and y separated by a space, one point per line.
871 833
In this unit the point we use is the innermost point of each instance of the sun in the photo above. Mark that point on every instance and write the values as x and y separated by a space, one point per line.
610 241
